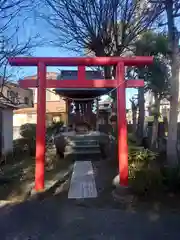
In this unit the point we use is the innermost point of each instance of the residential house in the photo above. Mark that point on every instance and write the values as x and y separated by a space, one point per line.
149 101
6 127
12 97
164 105
55 106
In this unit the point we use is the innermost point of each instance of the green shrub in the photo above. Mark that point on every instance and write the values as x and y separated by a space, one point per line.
146 181
171 178
131 139
54 127
143 178
23 146
140 155
57 125
147 178
28 142
28 131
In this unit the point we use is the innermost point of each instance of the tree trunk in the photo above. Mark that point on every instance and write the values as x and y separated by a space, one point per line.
150 103
172 157
1 134
140 128
134 116
107 72
155 124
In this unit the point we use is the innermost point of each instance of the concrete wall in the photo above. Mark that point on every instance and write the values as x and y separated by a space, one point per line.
7 130
23 118
20 119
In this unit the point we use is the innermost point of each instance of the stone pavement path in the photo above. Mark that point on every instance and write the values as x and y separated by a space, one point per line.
61 218
82 184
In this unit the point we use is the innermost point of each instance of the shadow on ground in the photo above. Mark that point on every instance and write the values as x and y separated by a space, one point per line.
54 218
17 177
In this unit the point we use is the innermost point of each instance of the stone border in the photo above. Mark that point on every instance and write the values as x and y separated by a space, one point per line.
50 187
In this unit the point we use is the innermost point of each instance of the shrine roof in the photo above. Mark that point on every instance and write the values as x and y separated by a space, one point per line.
73 75
83 92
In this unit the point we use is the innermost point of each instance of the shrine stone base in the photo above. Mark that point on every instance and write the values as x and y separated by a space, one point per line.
92 144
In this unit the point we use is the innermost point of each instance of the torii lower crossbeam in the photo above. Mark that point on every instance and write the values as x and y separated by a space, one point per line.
81 82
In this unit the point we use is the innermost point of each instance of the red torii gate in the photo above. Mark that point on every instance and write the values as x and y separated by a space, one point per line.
81 82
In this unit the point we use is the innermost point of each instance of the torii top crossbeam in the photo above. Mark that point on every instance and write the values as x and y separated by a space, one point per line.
81 61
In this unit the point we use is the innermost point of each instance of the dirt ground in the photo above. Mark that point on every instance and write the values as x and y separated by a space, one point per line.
17 178
58 217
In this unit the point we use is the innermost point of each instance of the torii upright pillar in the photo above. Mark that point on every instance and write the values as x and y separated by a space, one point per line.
122 125
41 127
118 83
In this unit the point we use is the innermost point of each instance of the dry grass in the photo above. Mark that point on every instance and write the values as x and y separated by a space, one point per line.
17 177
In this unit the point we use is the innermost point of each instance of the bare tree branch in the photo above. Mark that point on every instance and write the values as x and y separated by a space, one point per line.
11 21
105 27
164 3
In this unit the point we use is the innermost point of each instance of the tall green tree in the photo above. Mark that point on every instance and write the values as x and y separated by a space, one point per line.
172 13
157 75
158 83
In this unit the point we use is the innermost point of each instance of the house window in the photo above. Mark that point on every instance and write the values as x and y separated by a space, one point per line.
35 95
8 94
12 96
48 95
17 97
26 100
29 115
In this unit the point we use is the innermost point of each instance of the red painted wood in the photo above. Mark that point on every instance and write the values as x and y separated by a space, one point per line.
134 83
81 61
40 128
81 83
29 83
122 126
81 74
99 83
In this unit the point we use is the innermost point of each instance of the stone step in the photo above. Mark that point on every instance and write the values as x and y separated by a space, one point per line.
83 155
83 137
84 152
86 146
82 148
83 142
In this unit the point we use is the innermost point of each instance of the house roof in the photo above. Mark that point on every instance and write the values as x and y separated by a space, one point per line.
51 107
49 75
5 105
73 74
